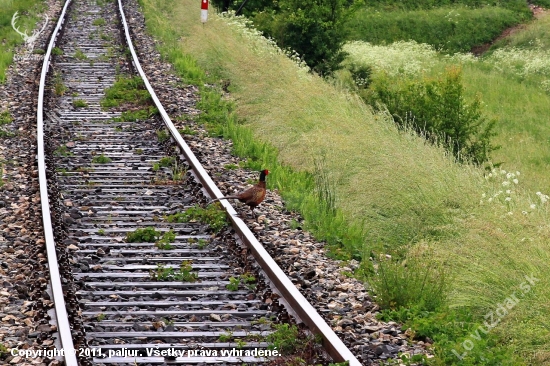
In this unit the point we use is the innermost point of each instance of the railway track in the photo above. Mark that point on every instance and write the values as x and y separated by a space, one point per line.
182 297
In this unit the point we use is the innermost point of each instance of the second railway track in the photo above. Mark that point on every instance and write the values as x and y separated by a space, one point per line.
106 182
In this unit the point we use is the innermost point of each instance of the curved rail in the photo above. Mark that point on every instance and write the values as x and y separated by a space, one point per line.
305 311
63 326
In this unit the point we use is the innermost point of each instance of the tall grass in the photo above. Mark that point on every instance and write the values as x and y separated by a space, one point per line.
8 37
395 191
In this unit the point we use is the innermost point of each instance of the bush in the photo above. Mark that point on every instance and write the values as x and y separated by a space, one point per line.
361 75
437 109
314 29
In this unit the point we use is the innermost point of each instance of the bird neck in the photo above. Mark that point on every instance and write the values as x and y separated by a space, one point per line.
262 177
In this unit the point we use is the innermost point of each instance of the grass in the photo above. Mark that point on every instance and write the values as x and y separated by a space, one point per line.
187 131
143 235
212 215
5 119
390 191
129 91
536 34
162 135
183 273
136 115
62 150
79 55
99 22
77 103
28 9
451 29
58 85
101 159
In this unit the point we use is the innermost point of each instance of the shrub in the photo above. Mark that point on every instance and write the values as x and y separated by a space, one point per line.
313 29
437 109
361 74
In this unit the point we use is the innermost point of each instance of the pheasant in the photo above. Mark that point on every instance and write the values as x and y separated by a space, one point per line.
253 196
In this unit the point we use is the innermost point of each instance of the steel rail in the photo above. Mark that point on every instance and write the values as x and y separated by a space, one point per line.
299 304
63 326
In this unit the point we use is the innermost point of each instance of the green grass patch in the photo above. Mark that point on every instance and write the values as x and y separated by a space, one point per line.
187 131
163 136
183 273
136 115
101 159
535 35
78 103
79 55
5 119
212 215
143 235
166 161
99 22
62 150
451 29
59 87
127 91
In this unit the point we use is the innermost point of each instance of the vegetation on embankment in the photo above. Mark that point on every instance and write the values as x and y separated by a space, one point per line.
481 232
512 82
9 38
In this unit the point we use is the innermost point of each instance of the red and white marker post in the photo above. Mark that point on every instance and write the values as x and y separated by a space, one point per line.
204 10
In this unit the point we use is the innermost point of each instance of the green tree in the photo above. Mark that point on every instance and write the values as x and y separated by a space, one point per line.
313 28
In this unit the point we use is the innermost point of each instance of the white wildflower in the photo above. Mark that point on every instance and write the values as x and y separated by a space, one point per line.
503 172
508 199
483 195
490 199
524 212
516 181
505 183
533 206
508 191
